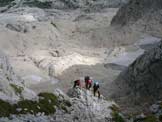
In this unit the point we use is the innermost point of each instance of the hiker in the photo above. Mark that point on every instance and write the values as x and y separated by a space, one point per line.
77 83
96 89
88 82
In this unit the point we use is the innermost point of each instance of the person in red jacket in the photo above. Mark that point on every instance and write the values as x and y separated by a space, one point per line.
88 82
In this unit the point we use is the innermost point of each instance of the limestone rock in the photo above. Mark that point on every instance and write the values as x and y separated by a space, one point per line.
142 80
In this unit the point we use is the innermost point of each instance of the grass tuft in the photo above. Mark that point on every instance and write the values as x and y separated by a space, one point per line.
18 89
46 104
117 117
151 118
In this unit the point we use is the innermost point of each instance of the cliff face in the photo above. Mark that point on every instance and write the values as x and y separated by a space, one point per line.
135 10
142 81
140 16
11 86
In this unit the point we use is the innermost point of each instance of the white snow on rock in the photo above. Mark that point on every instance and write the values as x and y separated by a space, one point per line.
28 18
125 58
147 40
11 18
32 79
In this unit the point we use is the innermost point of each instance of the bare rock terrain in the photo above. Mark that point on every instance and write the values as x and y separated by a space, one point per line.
51 43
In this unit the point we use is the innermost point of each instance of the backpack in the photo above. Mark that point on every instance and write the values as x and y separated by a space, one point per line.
89 81
96 85
77 82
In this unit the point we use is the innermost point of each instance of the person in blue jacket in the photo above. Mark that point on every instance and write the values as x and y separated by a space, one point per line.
96 87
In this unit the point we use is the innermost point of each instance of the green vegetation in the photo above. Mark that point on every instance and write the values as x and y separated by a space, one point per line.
67 103
63 107
39 4
5 2
5 109
26 106
161 105
115 108
151 118
54 25
47 104
115 113
117 117
17 89
160 118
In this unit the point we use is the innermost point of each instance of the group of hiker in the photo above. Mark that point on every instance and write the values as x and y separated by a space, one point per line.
88 84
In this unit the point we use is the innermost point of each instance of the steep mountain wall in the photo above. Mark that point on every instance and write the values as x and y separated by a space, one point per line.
11 86
135 10
142 82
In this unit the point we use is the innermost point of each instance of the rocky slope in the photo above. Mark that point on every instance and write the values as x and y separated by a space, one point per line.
65 4
140 83
80 106
11 86
69 39
140 16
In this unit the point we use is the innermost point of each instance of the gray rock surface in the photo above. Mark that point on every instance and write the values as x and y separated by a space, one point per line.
66 4
135 10
85 108
10 83
139 17
141 82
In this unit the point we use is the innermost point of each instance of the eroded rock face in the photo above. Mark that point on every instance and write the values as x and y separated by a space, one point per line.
81 108
11 86
67 4
135 10
88 108
142 81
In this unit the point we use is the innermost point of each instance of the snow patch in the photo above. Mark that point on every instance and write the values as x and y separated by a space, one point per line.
126 58
37 79
148 40
28 17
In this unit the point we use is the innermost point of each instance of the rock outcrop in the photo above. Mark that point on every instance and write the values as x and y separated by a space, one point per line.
140 16
142 82
87 108
82 106
11 86
135 10
65 4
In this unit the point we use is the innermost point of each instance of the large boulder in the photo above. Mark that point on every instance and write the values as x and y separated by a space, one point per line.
87 108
